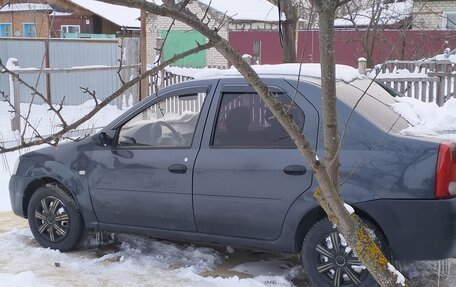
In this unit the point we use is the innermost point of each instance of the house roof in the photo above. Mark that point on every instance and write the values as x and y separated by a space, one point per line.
119 15
25 7
391 14
249 10
256 10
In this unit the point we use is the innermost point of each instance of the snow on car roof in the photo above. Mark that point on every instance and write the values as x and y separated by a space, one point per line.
343 72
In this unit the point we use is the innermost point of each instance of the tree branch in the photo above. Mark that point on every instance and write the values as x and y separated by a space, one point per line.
60 134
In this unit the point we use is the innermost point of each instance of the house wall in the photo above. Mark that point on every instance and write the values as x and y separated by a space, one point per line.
429 14
391 44
39 18
158 23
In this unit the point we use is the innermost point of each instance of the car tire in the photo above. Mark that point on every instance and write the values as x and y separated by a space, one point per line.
54 218
329 261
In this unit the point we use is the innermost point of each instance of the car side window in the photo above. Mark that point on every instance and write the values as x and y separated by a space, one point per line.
243 120
169 123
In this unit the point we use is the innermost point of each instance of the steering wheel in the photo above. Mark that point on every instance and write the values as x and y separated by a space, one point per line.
176 135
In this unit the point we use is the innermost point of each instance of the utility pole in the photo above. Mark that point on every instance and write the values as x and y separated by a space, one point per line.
143 46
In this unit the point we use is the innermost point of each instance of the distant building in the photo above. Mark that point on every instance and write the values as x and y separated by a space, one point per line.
66 19
224 15
434 15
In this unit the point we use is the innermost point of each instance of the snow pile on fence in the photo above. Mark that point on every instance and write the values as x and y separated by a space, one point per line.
427 118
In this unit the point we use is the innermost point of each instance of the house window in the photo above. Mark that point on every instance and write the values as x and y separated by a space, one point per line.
29 30
5 30
71 29
449 19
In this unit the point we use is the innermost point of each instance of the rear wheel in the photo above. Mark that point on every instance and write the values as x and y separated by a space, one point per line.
54 218
329 261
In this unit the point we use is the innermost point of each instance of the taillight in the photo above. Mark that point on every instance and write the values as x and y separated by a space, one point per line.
445 186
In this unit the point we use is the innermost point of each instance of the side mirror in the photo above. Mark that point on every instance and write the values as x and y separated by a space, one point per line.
102 139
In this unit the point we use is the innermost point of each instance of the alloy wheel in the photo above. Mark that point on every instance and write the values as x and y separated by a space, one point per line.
337 263
52 219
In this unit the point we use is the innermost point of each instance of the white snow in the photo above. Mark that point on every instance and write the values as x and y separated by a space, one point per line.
23 279
260 10
390 14
399 74
400 277
120 15
257 10
443 57
47 122
136 261
343 72
349 208
428 119
25 7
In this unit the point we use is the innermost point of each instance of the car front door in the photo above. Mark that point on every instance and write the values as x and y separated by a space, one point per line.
248 171
145 178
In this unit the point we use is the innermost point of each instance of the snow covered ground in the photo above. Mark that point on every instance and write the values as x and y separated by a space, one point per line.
141 261
134 261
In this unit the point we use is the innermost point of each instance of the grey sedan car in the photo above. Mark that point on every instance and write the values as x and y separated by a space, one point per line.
205 161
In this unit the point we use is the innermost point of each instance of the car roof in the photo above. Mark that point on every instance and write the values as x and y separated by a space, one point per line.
311 72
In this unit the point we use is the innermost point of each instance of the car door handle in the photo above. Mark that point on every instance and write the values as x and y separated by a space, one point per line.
295 170
178 168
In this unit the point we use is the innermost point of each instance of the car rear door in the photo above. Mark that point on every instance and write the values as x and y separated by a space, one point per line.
248 172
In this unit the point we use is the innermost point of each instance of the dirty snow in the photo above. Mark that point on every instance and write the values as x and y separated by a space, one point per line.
134 261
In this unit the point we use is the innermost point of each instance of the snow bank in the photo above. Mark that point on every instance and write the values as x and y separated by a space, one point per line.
47 122
137 261
427 118
22 279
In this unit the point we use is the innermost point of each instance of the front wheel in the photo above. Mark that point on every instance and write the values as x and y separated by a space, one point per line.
329 261
54 218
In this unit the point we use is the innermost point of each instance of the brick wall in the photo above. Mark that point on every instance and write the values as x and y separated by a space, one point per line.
157 23
39 18
429 14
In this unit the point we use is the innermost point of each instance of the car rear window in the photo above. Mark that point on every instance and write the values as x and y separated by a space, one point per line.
375 105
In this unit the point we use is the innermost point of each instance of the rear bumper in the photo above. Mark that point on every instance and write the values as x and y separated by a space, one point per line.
416 229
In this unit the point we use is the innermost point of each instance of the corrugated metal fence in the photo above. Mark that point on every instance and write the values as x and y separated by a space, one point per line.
64 53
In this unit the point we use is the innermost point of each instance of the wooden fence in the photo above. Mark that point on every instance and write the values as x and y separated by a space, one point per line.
164 79
428 81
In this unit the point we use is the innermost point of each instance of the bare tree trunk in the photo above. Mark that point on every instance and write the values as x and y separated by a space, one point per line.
328 84
350 226
290 30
